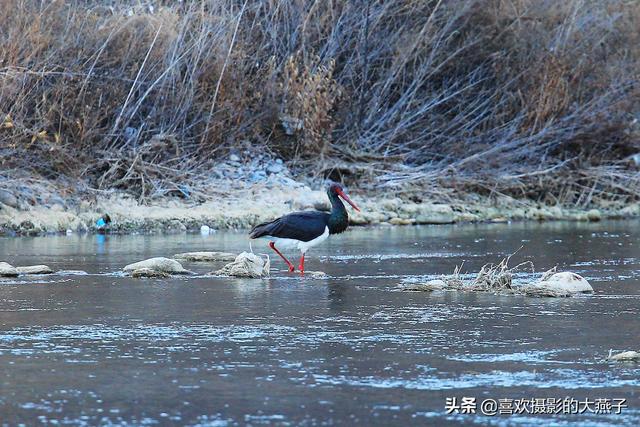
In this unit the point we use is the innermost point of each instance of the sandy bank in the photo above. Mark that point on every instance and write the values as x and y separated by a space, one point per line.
254 204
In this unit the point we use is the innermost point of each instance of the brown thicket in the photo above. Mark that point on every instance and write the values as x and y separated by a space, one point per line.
531 98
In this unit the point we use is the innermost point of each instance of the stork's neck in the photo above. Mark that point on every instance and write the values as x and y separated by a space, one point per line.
339 219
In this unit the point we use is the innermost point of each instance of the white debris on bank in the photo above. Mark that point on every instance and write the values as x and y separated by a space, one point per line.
498 278
159 264
205 256
247 265
625 356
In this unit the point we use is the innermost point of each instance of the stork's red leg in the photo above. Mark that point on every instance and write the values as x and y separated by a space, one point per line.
273 246
301 266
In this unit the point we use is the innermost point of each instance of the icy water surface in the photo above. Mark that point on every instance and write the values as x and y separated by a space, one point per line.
349 349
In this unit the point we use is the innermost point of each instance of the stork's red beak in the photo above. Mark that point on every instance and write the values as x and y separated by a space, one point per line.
348 200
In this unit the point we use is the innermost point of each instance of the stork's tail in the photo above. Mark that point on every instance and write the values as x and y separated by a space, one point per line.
261 230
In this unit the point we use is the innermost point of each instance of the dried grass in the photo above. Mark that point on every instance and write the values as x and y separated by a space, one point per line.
535 99
494 278
490 278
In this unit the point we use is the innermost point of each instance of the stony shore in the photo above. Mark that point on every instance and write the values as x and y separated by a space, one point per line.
260 202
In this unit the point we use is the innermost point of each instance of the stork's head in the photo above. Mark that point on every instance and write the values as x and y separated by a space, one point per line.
337 190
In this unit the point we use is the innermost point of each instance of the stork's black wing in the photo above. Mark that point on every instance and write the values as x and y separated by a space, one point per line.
303 226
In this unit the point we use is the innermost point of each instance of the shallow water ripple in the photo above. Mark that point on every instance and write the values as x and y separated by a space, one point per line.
348 348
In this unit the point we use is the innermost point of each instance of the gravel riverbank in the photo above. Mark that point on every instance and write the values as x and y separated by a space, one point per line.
262 201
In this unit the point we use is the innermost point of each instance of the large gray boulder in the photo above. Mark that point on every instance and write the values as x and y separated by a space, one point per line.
161 264
205 256
7 270
35 269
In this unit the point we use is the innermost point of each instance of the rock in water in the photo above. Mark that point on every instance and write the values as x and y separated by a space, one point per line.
431 285
560 284
205 256
147 272
625 356
7 270
34 269
247 265
164 265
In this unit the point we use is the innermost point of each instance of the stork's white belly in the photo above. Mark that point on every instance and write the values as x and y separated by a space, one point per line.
303 246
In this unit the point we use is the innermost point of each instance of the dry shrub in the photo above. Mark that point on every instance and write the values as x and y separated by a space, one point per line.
309 94
523 97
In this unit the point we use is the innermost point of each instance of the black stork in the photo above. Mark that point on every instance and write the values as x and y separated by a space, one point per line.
304 230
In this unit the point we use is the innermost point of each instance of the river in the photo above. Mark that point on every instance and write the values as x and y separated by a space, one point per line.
348 349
